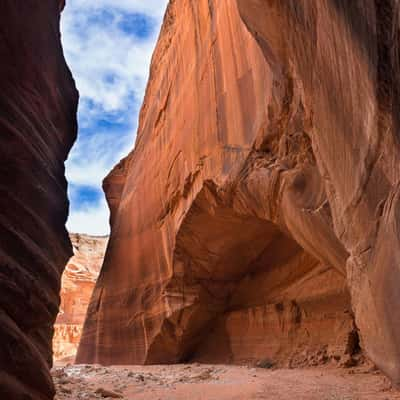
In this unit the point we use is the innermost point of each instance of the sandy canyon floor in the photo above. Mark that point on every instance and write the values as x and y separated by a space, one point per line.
219 382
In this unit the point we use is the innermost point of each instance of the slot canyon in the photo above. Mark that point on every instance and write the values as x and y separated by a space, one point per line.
254 249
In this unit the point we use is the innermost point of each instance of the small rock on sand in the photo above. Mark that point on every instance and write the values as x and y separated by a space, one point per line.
108 393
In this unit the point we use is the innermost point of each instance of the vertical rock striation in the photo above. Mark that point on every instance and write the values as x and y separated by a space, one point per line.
258 210
343 58
77 285
38 103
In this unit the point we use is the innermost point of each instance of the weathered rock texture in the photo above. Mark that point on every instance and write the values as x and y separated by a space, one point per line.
38 103
259 208
342 60
77 285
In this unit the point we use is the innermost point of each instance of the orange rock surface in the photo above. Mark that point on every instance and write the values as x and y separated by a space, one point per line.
342 60
77 286
257 213
38 103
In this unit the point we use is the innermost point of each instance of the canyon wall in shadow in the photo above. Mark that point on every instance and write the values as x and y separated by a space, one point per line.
256 218
38 102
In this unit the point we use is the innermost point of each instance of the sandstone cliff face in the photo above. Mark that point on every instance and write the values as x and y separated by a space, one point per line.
259 207
77 286
38 103
342 60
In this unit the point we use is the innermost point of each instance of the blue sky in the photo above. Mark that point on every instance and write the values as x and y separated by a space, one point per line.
108 45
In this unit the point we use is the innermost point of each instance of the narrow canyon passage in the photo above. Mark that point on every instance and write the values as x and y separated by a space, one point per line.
78 280
254 240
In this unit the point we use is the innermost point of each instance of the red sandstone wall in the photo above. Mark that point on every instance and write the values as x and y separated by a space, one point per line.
258 209
344 59
38 103
219 240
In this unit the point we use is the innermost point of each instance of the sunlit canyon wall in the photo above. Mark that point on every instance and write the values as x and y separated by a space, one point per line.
256 218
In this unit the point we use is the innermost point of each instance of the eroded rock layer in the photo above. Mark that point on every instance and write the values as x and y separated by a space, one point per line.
38 103
343 60
77 285
258 208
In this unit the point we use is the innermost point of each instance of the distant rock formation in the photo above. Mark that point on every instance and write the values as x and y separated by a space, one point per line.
258 213
77 286
38 102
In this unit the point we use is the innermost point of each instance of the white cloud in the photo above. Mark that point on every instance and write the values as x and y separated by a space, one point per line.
94 156
152 8
97 50
89 220
110 65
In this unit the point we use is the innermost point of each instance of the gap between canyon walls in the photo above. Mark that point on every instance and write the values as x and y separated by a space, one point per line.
78 280
223 242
